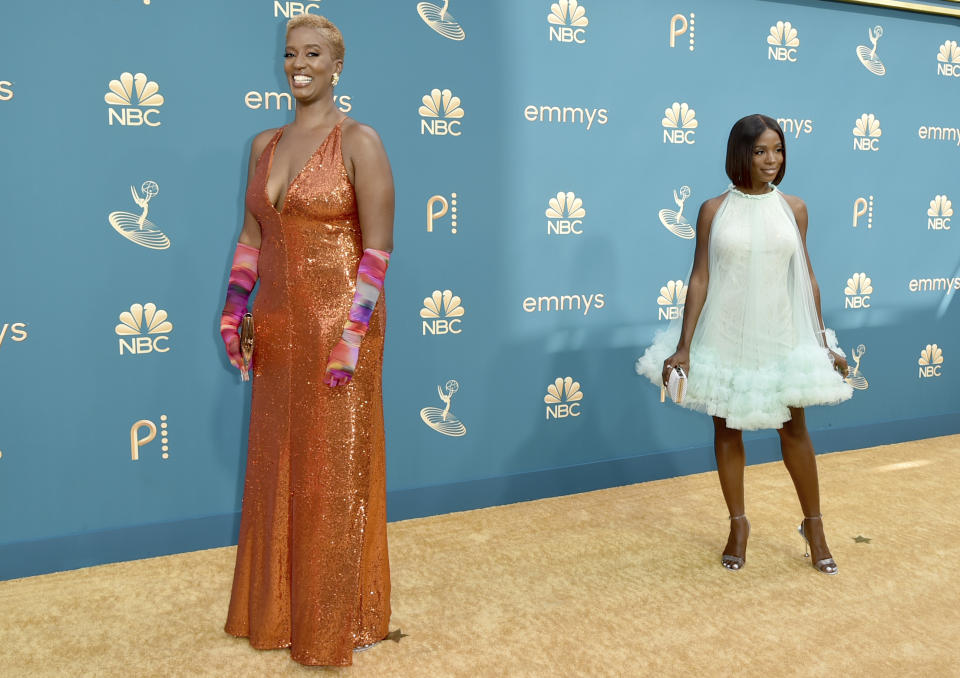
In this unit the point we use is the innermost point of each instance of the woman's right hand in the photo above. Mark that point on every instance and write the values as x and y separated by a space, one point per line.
681 358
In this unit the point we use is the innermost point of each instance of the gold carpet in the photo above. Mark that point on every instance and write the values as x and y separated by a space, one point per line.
619 582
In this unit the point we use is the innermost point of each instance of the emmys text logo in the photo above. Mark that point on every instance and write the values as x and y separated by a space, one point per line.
863 206
673 220
441 113
440 20
946 284
442 313
6 90
680 24
858 290
137 100
13 331
566 115
794 127
782 42
565 214
136 227
855 377
939 213
144 432
288 10
277 101
867 54
866 133
671 299
143 329
439 206
568 22
948 59
444 420
563 398
930 361
679 124
564 302
937 133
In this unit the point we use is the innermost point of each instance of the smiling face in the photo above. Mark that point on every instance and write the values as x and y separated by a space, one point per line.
767 158
309 63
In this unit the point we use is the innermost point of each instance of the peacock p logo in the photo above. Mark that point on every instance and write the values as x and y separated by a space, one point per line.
930 362
565 214
142 329
441 113
948 59
568 21
137 100
563 398
670 302
679 124
867 133
782 42
858 290
939 213
442 313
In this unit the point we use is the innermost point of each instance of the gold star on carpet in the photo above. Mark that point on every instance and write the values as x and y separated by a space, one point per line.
395 636
860 539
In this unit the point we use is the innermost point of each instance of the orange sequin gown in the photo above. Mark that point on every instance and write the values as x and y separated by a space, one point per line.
312 571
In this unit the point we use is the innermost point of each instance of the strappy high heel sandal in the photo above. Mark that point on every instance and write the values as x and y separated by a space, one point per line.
734 563
824 565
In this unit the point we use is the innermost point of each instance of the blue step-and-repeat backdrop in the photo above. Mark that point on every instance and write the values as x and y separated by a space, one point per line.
550 158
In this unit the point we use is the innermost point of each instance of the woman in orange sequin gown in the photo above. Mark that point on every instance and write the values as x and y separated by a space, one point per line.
312 571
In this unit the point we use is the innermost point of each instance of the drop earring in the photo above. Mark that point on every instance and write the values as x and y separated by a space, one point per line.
335 79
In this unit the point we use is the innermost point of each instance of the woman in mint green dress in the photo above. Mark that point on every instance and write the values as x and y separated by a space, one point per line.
752 339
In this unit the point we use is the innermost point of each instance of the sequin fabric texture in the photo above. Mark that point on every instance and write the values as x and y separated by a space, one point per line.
312 572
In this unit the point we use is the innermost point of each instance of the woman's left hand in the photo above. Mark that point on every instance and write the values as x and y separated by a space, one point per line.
840 364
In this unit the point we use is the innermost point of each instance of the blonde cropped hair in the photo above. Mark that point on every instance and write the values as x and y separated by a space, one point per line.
332 34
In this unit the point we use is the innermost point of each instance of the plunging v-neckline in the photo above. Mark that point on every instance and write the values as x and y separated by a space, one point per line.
273 150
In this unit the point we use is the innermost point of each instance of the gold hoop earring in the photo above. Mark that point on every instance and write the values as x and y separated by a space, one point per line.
335 79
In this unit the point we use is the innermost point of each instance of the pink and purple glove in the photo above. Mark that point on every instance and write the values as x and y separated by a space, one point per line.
343 358
243 276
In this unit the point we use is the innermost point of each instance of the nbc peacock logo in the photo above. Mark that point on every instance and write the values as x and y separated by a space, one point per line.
444 420
134 101
858 290
930 362
674 220
565 214
440 20
679 124
939 213
671 299
782 42
143 329
442 313
136 227
867 54
563 398
948 59
441 114
568 22
867 133
855 377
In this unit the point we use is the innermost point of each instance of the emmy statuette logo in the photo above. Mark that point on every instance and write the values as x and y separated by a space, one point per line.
143 329
858 290
444 420
288 10
136 227
680 24
867 133
563 398
679 124
939 213
6 90
439 206
565 214
948 59
863 206
868 54
14 332
782 42
930 361
671 299
440 20
442 313
137 100
568 22
855 378
441 113
144 431
673 220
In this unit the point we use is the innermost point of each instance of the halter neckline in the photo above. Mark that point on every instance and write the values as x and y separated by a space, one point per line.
753 196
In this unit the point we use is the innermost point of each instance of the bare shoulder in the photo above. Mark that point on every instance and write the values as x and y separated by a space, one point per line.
360 137
260 141
709 207
796 203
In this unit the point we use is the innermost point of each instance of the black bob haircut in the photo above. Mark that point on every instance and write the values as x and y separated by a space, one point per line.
744 133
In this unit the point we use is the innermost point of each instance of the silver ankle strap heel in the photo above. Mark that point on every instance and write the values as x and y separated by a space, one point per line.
735 563
824 565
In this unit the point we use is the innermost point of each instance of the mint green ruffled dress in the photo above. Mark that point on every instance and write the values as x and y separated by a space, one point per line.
757 348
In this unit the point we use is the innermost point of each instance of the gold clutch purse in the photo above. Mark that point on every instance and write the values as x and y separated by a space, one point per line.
676 387
246 345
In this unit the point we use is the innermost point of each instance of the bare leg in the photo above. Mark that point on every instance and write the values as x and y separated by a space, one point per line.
728 447
799 458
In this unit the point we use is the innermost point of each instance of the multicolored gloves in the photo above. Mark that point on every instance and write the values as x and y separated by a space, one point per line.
243 276
343 358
